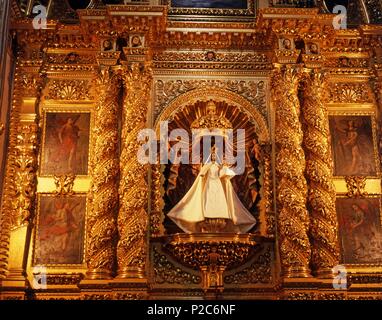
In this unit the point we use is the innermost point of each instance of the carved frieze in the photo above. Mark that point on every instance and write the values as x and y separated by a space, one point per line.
253 91
349 93
69 90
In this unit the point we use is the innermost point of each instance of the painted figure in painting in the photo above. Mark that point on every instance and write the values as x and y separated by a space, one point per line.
351 141
68 137
59 231
353 146
360 231
59 226
211 205
66 144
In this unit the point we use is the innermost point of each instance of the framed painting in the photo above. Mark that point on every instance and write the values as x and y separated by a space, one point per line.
360 230
60 230
353 145
66 139
212 7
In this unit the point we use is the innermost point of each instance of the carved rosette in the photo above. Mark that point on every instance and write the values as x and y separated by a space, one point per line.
133 188
319 173
293 218
103 196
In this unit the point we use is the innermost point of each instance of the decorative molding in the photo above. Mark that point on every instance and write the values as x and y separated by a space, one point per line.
64 279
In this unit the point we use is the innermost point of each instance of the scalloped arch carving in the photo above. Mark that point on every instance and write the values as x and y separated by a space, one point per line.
217 94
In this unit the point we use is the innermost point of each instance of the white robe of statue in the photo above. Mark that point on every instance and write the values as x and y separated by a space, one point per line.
212 196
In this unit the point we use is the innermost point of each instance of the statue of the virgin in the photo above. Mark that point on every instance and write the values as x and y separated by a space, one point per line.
211 204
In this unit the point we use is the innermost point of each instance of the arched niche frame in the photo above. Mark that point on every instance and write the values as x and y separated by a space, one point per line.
178 105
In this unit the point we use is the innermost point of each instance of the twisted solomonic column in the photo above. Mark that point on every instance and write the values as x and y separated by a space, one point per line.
319 173
293 218
103 197
133 188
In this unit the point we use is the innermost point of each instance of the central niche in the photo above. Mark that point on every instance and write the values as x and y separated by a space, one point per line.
212 120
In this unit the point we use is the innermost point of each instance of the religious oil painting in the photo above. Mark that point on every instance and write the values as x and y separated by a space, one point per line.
60 230
352 145
66 143
219 4
360 230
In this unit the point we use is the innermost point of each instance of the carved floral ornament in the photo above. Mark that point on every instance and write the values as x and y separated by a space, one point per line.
349 93
69 90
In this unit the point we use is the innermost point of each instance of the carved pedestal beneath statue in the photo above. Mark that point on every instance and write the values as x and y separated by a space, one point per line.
211 254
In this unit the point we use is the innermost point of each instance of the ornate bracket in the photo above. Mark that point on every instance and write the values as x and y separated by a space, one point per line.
64 184
356 186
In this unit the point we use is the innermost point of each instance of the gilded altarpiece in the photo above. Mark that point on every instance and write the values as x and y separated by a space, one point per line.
81 212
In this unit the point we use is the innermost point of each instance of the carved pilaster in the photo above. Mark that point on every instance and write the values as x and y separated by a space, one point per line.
20 174
319 174
156 221
133 188
103 196
293 218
